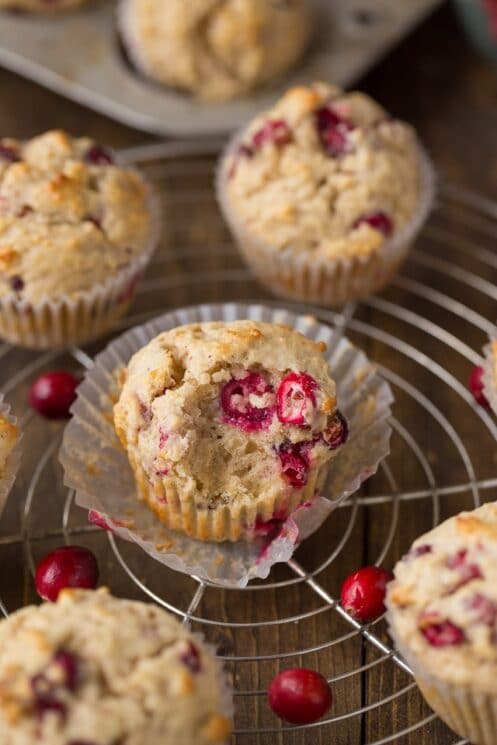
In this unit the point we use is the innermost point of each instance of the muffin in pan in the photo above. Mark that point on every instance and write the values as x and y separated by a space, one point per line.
228 426
94 669
42 6
215 50
324 194
76 232
442 611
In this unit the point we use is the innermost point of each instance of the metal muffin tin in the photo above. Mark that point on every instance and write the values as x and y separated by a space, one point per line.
78 55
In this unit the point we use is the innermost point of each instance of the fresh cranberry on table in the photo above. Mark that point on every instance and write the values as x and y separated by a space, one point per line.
53 393
380 221
248 402
67 566
475 385
363 593
299 696
296 399
443 634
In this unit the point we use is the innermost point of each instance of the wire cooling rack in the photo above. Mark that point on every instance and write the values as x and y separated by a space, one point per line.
425 333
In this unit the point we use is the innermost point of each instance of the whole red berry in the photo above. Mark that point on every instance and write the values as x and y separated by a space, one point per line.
53 393
67 566
363 593
475 385
299 696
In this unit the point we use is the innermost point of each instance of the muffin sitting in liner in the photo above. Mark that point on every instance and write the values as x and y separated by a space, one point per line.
442 611
228 426
93 669
76 231
215 49
324 194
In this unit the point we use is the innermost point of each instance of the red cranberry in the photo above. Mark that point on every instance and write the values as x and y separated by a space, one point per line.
46 685
269 529
17 283
191 659
418 551
378 220
97 155
333 130
444 634
337 433
67 566
363 593
296 399
163 438
53 393
475 385
466 571
276 131
485 609
248 402
294 459
299 696
8 154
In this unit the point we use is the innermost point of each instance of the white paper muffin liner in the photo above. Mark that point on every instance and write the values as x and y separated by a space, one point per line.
97 467
325 281
471 714
76 319
14 460
489 377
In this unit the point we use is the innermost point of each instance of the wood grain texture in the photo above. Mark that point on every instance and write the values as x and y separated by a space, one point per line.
434 80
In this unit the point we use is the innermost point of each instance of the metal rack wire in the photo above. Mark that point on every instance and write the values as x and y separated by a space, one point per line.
431 314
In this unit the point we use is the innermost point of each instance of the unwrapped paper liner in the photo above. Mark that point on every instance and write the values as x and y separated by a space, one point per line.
97 467
13 461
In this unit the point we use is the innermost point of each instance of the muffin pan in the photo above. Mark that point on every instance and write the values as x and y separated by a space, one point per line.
78 55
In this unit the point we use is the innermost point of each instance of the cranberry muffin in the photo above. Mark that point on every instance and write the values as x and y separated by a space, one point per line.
442 611
72 672
76 231
228 426
324 194
490 373
41 6
215 50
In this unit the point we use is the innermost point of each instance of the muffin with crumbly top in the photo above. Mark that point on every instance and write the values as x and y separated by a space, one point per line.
442 611
324 193
97 670
215 49
76 231
229 427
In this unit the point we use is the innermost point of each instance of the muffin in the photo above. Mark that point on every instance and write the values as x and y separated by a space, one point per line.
42 6
324 194
489 377
76 231
73 672
442 611
228 427
214 50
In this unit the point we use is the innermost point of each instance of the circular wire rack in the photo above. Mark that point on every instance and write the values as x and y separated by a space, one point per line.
425 333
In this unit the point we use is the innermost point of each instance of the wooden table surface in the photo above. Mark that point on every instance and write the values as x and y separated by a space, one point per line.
434 80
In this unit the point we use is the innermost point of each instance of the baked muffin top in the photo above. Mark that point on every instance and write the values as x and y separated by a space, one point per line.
97 670
69 218
215 49
9 434
229 412
325 172
443 601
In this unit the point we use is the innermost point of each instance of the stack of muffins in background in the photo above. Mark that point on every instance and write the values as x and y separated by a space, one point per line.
229 427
